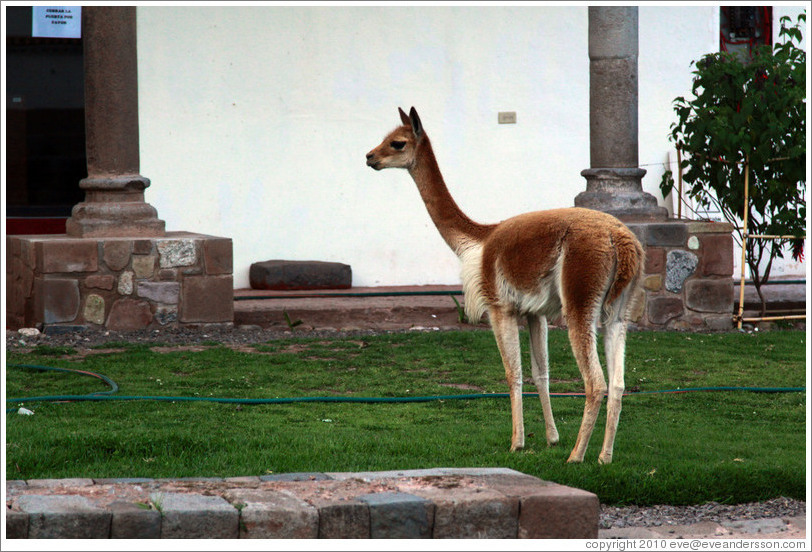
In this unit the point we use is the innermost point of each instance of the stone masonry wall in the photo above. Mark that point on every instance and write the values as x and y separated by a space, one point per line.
60 282
688 275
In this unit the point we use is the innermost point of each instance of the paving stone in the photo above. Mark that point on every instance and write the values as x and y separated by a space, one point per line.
56 483
301 476
472 513
347 519
293 275
123 480
195 516
16 524
679 265
133 521
117 254
399 516
559 512
273 515
64 517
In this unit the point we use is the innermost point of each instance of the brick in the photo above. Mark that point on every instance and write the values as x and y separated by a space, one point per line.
59 255
559 512
133 521
160 292
710 295
399 516
274 515
195 516
346 519
663 309
64 517
679 265
16 524
117 254
717 255
655 260
56 300
129 314
144 265
218 256
207 299
673 234
293 275
472 513
100 281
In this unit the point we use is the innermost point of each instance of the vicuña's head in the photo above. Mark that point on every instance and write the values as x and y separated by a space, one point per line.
399 148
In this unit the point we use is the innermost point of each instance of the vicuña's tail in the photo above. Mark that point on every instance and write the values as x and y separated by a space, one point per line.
630 259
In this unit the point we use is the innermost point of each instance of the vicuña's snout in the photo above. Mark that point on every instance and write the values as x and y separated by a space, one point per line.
372 162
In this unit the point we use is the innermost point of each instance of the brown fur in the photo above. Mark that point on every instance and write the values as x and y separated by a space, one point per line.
582 263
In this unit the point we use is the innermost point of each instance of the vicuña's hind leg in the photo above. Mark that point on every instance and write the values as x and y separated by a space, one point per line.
541 372
614 346
584 347
506 330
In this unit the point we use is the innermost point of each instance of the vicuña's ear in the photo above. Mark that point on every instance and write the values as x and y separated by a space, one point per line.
403 117
417 126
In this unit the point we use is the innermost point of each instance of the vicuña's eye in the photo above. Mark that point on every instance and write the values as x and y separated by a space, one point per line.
397 144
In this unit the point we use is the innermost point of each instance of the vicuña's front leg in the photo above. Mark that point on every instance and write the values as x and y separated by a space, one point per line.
506 329
541 372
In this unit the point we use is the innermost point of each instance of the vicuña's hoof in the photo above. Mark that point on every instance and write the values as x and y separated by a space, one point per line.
604 459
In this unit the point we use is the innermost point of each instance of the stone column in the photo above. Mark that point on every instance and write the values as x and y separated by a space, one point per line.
114 203
614 178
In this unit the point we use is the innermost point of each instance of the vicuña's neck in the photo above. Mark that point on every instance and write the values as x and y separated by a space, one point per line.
455 227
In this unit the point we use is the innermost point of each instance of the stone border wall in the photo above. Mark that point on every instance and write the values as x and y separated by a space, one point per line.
688 275
62 283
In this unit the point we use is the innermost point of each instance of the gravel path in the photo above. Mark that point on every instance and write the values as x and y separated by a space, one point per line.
611 517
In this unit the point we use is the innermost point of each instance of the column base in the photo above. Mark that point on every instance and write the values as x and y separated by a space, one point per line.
619 192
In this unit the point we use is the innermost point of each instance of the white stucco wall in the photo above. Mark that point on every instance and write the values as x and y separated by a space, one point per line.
255 121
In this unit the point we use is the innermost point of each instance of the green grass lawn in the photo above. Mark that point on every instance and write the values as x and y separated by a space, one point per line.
682 448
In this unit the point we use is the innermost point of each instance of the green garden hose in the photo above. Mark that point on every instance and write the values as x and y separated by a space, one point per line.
109 394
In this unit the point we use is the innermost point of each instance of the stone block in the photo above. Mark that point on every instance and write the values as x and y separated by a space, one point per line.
679 265
56 300
709 295
207 299
64 517
195 516
671 234
160 292
217 254
16 524
134 521
94 309
663 309
472 513
129 314
100 281
559 512
655 260
717 255
346 519
296 275
117 254
166 315
143 265
125 283
273 515
60 255
296 476
174 253
653 282
399 516
142 247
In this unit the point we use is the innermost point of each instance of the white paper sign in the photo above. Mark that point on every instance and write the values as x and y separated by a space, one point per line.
57 22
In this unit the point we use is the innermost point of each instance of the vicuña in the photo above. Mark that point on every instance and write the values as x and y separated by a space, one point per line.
579 263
